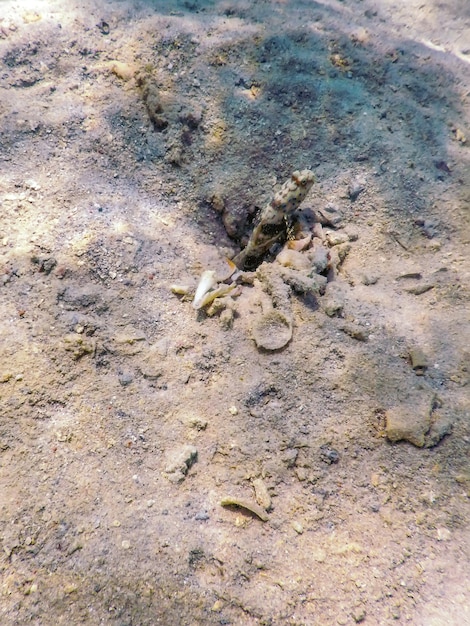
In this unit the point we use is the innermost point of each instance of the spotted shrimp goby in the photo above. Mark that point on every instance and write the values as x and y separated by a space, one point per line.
274 218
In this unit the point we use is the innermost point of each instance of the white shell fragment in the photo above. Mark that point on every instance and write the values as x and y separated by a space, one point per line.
207 282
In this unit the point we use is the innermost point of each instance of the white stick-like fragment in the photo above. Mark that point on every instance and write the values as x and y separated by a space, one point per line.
208 280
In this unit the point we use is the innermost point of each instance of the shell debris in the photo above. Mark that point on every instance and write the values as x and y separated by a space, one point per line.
244 503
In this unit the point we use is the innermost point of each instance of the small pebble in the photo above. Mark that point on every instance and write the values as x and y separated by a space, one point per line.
410 421
443 534
301 473
196 422
355 331
369 279
329 216
419 362
329 455
124 71
202 516
359 614
297 526
125 379
125 544
332 306
180 461
226 319
262 494
420 289
290 457
336 238
356 187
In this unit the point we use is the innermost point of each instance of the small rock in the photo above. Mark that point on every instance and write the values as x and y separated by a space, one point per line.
410 421
217 606
297 526
355 331
301 283
319 256
440 427
352 233
262 494
443 534
150 366
202 516
356 187
317 231
336 238
369 279
302 473
414 275
332 302
79 345
30 183
329 455
226 318
359 614
30 17
420 289
294 259
124 71
460 136
418 359
290 457
178 463
125 544
196 422
125 379
329 216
